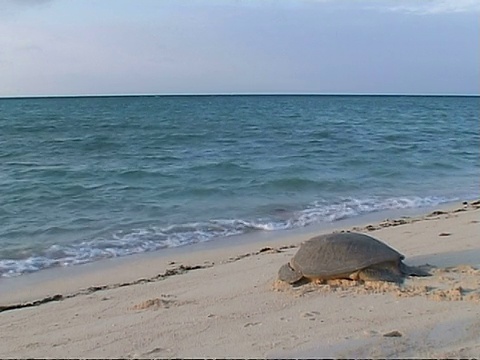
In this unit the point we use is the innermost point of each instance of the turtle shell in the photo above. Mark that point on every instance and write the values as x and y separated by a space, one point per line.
332 255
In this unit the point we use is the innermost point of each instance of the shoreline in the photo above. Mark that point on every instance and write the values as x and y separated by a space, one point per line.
143 262
222 301
23 267
259 236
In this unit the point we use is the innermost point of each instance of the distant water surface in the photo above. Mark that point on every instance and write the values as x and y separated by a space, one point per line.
83 179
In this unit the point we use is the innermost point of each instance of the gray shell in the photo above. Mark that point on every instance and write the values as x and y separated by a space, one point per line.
330 255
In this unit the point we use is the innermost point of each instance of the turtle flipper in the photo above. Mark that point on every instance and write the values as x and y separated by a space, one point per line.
288 274
379 273
412 270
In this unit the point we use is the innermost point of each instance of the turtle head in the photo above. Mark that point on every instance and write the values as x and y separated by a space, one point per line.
288 274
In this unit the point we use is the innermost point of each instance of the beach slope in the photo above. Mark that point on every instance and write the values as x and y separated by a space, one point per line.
227 303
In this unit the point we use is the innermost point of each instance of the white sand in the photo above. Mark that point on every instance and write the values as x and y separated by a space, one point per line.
230 304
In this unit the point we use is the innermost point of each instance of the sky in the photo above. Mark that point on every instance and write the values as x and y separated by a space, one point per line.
98 47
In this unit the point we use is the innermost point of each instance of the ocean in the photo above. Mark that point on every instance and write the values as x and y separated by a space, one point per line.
89 178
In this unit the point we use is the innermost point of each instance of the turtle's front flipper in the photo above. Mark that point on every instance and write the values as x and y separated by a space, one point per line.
288 274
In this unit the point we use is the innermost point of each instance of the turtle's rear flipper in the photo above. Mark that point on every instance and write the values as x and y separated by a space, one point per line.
413 271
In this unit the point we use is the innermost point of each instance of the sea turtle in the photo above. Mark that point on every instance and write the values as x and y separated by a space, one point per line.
346 255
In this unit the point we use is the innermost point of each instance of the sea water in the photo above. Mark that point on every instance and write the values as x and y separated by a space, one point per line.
89 178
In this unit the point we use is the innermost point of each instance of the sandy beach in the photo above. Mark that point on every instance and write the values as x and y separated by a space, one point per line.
227 303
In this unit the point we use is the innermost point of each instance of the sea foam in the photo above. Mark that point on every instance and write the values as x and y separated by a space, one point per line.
154 238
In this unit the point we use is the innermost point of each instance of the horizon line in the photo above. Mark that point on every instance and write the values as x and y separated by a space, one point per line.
235 94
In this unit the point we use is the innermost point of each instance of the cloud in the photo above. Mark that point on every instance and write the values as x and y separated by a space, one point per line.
426 7
416 7
25 2
10 8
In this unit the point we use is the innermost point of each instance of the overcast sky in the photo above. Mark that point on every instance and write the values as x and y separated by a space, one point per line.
73 47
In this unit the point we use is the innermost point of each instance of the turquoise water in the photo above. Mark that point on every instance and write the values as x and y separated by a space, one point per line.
84 179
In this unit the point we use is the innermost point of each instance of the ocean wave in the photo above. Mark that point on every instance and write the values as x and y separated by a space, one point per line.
222 166
294 183
153 238
351 207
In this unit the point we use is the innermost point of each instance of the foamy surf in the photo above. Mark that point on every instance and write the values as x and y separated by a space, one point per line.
126 242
